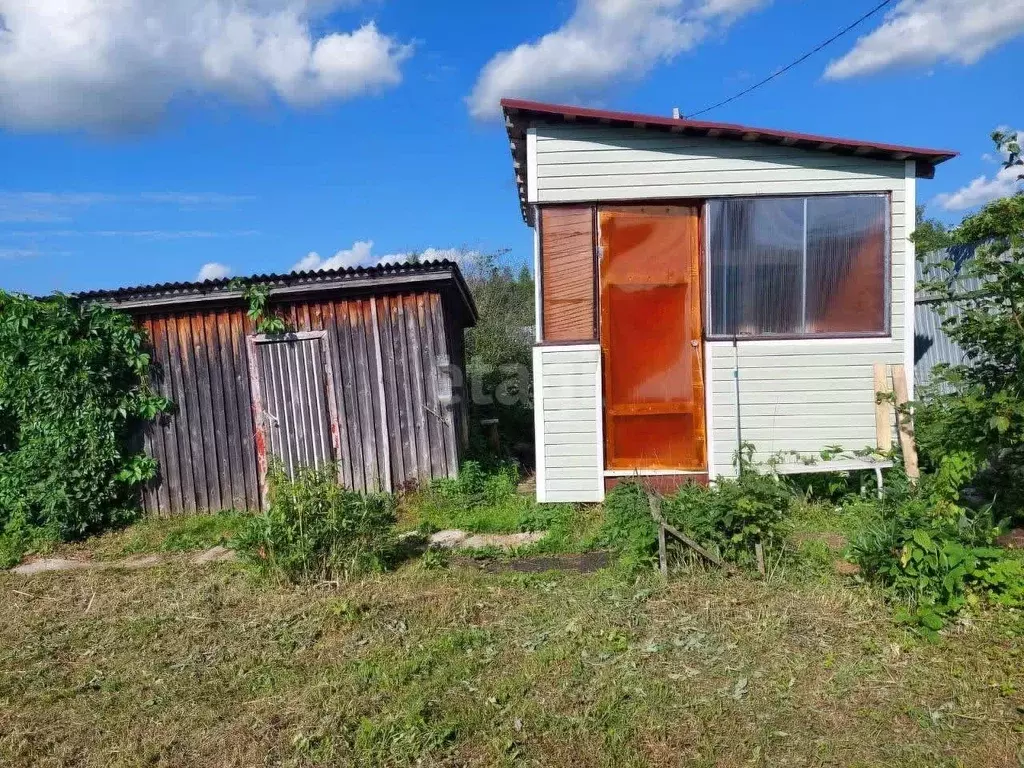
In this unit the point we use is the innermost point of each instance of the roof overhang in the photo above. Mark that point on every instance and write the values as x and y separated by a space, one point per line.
521 115
292 286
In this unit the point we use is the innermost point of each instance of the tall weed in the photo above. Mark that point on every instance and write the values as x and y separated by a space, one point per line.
314 530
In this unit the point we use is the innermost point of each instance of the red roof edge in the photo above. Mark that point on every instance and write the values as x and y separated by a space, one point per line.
561 110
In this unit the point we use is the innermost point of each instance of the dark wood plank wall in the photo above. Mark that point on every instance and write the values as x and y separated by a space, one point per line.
401 416
569 286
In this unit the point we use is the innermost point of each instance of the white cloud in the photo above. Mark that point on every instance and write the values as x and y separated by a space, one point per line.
921 32
604 41
1005 182
357 256
115 65
213 271
361 255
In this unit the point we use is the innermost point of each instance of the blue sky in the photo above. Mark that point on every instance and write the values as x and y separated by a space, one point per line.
139 144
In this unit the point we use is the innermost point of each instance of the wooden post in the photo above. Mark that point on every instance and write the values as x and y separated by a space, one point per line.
883 428
662 551
759 552
906 423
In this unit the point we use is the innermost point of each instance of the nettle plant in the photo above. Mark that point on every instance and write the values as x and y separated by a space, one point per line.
936 555
74 395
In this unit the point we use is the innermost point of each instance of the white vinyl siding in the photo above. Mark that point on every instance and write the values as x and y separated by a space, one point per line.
578 163
567 403
797 395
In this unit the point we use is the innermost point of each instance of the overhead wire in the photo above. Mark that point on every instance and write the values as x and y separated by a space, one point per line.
795 63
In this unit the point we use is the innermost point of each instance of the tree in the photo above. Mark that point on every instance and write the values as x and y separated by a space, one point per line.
979 404
499 350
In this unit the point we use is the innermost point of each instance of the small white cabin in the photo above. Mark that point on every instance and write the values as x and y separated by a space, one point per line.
702 285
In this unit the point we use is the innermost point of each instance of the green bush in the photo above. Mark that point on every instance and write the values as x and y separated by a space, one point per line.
315 530
733 515
935 555
728 518
628 526
74 393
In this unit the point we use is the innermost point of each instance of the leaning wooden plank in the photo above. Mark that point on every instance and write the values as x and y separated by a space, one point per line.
883 428
376 395
906 423
339 431
387 346
203 388
432 403
446 391
347 376
220 422
415 363
368 427
406 412
699 549
169 479
246 423
188 405
662 551
387 439
236 474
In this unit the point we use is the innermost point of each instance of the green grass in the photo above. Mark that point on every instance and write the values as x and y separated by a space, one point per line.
158 535
209 667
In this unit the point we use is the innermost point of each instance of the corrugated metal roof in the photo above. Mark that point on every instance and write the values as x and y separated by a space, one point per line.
381 276
519 114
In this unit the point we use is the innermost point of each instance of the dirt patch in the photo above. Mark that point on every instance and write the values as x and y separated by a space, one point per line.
1012 540
588 562
138 562
455 539
846 568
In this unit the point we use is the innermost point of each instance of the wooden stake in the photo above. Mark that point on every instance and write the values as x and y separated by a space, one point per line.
883 428
664 528
759 551
662 551
906 423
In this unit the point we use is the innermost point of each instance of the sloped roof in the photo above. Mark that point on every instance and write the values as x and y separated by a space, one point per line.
520 114
382 277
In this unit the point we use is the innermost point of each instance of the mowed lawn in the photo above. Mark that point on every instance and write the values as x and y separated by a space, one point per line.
186 666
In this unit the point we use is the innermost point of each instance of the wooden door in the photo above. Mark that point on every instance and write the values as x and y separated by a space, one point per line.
295 399
651 337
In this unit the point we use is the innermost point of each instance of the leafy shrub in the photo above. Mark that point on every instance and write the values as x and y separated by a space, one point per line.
315 530
74 392
628 526
733 515
727 518
934 554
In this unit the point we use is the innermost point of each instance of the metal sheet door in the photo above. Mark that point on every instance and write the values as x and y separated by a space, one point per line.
651 337
294 396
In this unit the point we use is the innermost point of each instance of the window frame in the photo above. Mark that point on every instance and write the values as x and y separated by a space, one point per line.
886 332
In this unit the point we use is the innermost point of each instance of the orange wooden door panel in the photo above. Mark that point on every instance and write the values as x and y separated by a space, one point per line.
651 337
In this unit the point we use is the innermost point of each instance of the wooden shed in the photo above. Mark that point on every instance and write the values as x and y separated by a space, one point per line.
369 376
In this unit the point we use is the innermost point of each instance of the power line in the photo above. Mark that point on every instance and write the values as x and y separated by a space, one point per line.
802 59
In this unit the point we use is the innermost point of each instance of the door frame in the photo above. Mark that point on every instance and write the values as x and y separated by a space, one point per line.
626 206
256 395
